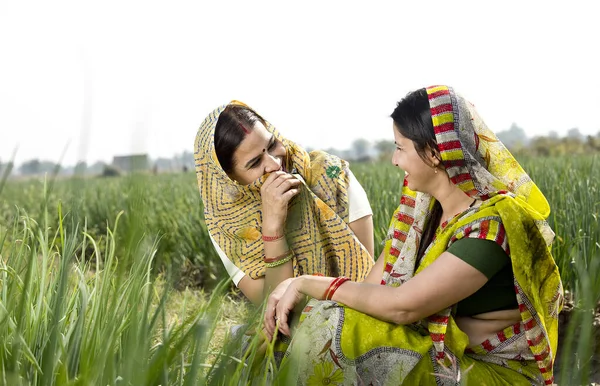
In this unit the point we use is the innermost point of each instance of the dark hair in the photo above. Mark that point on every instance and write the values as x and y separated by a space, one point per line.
412 118
233 125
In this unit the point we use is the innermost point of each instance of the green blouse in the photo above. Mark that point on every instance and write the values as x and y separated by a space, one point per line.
498 293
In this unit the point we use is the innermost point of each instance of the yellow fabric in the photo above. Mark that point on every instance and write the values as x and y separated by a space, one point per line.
317 225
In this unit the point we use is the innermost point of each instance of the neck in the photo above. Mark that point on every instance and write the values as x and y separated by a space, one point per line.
452 199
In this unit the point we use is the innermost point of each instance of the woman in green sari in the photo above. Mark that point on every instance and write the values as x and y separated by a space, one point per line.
466 289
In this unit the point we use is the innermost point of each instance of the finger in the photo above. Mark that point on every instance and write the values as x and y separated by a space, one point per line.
282 314
272 177
288 184
270 322
266 335
287 196
281 179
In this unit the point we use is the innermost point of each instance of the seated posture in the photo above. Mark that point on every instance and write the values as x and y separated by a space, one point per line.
275 211
466 289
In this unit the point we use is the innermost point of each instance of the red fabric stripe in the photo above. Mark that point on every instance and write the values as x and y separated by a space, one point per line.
438 94
543 356
536 340
522 308
445 108
408 201
444 128
517 328
461 178
484 229
405 218
501 235
454 163
516 289
487 345
501 336
394 252
549 381
529 324
402 237
388 268
383 282
437 337
451 145
438 319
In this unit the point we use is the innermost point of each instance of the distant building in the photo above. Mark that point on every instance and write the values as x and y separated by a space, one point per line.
132 163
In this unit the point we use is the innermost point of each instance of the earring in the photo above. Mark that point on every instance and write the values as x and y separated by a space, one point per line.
435 170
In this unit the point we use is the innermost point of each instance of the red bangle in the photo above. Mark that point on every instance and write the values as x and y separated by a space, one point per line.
277 258
272 238
333 286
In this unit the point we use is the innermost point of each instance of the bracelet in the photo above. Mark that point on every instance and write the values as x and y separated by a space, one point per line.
272 238
333 286
279 260
317 274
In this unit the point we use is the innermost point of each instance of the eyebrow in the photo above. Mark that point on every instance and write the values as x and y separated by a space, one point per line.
253 160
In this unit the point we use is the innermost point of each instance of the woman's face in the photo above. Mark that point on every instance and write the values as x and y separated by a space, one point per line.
419 174
259 153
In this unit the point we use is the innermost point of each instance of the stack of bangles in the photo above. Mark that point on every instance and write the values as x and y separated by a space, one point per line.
335 284
272 262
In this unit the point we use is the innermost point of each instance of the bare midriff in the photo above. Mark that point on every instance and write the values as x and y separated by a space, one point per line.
481 326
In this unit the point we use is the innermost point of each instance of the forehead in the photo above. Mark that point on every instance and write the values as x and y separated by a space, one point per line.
254 143
397 136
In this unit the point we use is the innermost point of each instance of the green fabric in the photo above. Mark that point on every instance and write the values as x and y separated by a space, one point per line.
498 293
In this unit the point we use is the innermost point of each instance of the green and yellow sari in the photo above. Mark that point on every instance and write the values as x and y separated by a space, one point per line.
335 344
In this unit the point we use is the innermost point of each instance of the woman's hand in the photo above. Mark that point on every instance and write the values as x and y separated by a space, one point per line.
279 305
276 193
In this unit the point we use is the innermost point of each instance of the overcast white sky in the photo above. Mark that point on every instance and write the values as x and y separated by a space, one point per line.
111 78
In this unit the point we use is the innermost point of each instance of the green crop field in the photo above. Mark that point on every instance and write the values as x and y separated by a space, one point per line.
113 281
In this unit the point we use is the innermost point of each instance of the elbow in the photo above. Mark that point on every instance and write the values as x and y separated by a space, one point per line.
405 317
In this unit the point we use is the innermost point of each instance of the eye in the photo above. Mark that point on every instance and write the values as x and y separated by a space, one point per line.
273 145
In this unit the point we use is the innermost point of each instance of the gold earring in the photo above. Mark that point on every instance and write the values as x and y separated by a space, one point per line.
435 170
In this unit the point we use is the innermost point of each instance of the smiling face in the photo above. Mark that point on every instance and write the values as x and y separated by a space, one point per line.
259 153
419 173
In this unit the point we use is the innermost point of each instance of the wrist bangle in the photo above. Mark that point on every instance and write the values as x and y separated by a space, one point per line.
279 260
272 238
333 286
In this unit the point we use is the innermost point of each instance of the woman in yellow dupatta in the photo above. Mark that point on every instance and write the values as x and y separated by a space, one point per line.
469 292
275 211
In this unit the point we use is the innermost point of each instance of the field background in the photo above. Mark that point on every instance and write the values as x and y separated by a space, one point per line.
114 280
